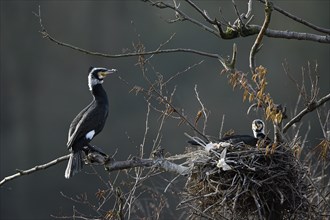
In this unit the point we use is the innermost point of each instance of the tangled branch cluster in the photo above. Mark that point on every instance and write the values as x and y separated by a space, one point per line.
256 186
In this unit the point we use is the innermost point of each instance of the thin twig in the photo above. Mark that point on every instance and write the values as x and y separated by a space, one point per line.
183 16
324 126
180 72
145 132
203 109
169 103
202 12
249 11
237 13
304 141
221 127
161 45
286 69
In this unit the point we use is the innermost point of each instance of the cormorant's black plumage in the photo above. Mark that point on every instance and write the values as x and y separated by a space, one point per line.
89 122
258 127
235 139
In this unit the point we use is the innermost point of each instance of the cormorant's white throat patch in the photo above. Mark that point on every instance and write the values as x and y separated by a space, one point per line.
92 81
90 135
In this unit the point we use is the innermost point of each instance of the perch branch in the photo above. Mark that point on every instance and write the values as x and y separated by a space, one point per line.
158 162
34 169
310 107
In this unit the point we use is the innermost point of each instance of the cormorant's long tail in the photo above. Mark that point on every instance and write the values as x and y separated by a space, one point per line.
196 141
75 164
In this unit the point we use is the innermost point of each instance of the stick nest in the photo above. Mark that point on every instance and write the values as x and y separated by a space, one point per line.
254 184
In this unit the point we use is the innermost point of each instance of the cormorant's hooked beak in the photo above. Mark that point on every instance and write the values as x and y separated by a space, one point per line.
108 72
255 126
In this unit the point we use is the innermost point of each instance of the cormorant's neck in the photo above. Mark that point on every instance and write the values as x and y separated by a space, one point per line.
260 135
99 93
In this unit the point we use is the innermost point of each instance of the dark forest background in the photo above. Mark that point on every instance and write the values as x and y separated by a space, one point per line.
43 86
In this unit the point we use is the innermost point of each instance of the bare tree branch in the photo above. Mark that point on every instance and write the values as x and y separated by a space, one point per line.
158 162
257 43
241 30
254 29
310 107
138 162
34 169
46 35
300 20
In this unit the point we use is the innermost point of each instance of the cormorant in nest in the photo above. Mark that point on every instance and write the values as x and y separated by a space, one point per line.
258 128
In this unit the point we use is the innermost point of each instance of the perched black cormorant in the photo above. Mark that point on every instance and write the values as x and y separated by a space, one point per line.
258 128
89 122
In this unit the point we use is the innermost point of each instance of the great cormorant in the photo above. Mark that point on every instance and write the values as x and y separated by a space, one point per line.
89 122
258 128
